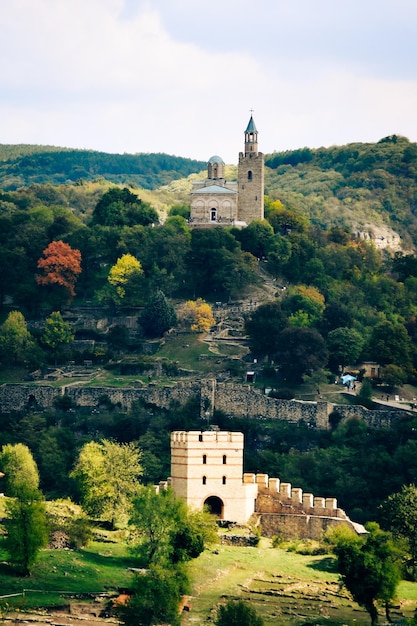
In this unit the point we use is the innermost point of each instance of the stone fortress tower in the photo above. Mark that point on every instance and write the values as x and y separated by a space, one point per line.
207 469
218 202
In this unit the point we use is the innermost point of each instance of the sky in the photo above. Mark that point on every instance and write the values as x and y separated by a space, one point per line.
182 76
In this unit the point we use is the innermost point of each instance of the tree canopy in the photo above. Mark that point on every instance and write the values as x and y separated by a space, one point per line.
368 568
108 475
158 315
60 265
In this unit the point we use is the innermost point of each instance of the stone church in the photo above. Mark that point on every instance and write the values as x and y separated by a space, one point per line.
218 202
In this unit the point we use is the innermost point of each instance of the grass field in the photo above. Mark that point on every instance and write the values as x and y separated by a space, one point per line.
61 574
286 588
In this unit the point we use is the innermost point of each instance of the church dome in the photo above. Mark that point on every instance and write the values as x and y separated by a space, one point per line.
216 159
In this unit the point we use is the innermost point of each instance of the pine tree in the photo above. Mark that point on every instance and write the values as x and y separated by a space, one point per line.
158 316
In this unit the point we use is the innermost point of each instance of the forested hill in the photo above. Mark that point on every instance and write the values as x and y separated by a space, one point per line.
22 165
369 187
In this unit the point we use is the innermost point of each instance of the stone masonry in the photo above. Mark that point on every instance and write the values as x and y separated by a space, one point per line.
207 470
233 399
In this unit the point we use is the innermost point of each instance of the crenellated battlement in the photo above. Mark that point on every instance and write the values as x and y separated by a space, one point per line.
208 438
275 496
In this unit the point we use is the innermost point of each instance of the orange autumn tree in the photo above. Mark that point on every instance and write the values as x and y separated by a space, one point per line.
60 265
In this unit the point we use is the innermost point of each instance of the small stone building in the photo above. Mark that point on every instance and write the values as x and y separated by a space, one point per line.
218 202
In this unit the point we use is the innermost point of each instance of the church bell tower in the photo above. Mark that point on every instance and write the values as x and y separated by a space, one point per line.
251 177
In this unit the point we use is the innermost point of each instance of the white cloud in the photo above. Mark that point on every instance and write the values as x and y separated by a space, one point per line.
172 76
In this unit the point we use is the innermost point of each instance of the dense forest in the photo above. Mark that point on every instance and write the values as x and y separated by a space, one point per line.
339 299
22 165
356 185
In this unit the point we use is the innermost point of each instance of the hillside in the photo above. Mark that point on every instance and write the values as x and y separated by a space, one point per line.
368 188
23 165
371 188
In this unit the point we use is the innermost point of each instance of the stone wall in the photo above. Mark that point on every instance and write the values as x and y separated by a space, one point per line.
287 511
247 401
234 400
298 526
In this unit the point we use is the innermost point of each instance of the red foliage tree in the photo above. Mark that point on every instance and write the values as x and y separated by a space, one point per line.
60 265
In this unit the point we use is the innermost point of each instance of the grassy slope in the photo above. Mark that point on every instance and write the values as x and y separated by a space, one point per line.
285 588
100 567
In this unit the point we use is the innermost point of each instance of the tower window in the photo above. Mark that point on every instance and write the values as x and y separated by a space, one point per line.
204 459
224 459
204 480
200 437
249 175
224 480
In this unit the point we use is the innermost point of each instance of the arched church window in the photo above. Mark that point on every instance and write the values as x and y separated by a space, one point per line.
224 480
249 175
224 459
204 480
204 459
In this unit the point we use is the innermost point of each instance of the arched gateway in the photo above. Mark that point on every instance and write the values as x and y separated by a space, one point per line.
215 506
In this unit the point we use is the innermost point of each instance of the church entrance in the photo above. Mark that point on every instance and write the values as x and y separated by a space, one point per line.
215 506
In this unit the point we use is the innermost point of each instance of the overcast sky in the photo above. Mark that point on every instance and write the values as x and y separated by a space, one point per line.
181 76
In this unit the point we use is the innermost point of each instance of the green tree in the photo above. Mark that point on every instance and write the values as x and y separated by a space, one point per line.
26 528
121 207
344 345
165 534
307 300
300 351
17 345
264 327
368 568
158 315
366 391
217 265
256 238
58 333
278 254
20 470
399 515
393 375
237 613
25 508
165 531
145 607
390 343
183 210
108 474
126 276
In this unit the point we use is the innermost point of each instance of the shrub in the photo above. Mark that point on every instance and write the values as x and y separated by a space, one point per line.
277 540
237 613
